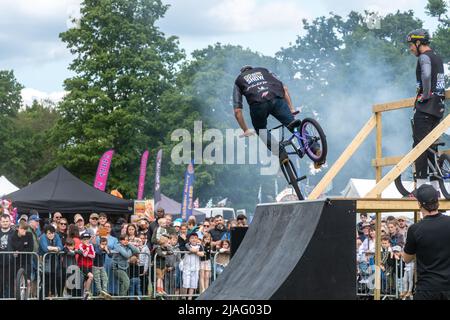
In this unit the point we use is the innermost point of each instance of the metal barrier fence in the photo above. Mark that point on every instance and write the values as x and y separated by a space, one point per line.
396 280
19 275
182 275
120 277
25 275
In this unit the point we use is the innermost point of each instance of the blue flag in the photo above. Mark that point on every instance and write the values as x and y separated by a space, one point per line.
187 204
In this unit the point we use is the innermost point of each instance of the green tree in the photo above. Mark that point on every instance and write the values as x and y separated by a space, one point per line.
123 65
10 94
27 151
441 37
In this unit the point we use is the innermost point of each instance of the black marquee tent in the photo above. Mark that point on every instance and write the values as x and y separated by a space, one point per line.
62 191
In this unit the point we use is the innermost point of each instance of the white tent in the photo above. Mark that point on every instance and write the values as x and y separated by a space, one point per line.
358 188
6 187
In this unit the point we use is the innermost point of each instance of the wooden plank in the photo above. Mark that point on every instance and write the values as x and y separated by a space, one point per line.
410 158
379 150
396 105
392 205
400 104
344 157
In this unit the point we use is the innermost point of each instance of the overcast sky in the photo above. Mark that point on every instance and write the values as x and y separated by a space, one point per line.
29 42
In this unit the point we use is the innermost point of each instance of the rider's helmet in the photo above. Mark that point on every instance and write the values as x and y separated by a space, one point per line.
421 35
246 67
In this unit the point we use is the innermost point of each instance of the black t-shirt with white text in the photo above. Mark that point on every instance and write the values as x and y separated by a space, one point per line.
429 240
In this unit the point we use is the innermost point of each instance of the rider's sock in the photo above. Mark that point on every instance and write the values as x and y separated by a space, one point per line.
421 182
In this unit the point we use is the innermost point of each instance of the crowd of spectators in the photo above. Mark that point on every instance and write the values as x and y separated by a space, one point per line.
106 257
396 275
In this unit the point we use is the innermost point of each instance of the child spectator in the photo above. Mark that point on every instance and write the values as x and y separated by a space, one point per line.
161 230
162 251
191 264
133 273
85 262
205 263
123 253
172 262
386 272
144 263
70 270
98 268
223 258
182 237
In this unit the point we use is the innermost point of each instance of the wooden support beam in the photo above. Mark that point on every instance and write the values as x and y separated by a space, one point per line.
342 160
392 205
410 158
392 161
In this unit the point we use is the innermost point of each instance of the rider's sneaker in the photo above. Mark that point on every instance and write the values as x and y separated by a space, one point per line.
317 165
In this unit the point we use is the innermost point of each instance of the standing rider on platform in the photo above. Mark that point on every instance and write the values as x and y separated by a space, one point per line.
429 107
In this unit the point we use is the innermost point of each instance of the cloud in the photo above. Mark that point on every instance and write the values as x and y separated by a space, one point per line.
30 94
200 18
30 30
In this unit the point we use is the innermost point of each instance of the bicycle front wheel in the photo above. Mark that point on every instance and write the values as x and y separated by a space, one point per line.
314 140
444 183
291 176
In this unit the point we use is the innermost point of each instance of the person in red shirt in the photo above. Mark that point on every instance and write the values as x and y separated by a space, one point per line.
86 255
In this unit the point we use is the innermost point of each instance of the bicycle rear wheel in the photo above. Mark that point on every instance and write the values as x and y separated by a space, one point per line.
405 182
291 176
314 140
444 183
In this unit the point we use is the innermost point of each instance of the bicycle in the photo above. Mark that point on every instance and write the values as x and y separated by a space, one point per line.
438 167
308 138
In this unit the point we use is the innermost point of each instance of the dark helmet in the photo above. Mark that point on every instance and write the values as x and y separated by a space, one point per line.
421 35
246 67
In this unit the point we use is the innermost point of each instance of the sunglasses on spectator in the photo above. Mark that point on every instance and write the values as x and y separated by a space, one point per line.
63 224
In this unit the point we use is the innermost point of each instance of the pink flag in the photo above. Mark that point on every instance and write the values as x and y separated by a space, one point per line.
103 170
142 173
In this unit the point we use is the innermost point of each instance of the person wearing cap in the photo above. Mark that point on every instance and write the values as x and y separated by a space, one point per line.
33 222
86 261
93 223
402 225
79 221
428 242
365 227
23 217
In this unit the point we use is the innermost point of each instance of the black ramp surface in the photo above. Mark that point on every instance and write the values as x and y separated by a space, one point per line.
297 250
